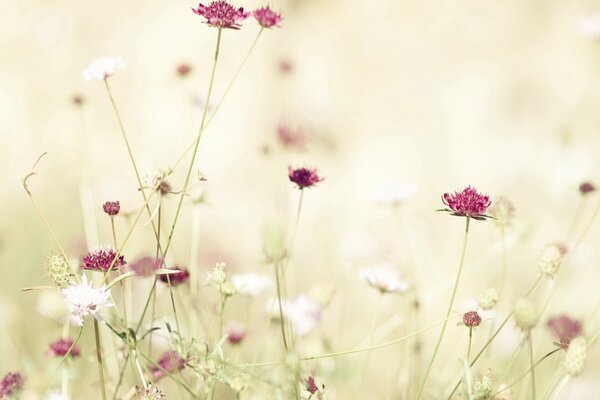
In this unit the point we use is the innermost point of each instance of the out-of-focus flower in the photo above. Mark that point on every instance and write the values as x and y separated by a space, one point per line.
471 319
503 393
184 70
77 99
56 395
590 26
145 266
170 362
586 188
394 193
151 392
526 315
467 203
84 299
384 278
303 312
304 177
51 304
551 258
316 389
11 384
286 66
565 329
59 269
111 208
251 284
576 356
176 278
266 17
219 279
235 332
503 210
61 347
483 388
488 299
221 14
292 138
102 258
102 68
274 245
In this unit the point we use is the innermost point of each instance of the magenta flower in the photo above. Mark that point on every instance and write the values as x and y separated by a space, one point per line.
266 17
586 187
11 384
467 203
62 346
145 266
292 138
176 278
304 177
221 14
111 208
471 319
236 332
565 329
184 70
101 259
170 362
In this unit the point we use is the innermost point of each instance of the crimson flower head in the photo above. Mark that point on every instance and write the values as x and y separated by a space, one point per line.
221 14
565 329
304 177
61 347
170 362
111 208
266 17
11 384
467 203
471 319
586 187
183 70
176 278
101 259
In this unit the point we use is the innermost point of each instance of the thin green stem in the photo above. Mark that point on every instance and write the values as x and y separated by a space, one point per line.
99 358
532 366
449 310
469 345
280 306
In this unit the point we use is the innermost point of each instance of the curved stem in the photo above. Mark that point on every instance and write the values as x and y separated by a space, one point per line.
99 358
531 366
280 306
448 311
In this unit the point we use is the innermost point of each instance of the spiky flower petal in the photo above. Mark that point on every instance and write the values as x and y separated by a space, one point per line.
221 14
467 203
85 300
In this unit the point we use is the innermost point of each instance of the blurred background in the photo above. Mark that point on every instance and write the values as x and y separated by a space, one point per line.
436 95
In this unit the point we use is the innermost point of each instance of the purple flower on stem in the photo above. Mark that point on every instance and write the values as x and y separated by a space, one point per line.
176 278
471 319
586 187
101 259
565 329
170 362
304 177
221 14
11 384
111 208
266 17
61 347
467 203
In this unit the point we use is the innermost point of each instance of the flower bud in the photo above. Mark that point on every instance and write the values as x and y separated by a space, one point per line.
488 299
576 356
526 315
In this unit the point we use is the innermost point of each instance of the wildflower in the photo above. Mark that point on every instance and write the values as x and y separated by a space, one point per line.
394 193
183 70
303 312
102 68
504 393
176 278
84 300
11 384
59 269
467 203
151 392
482 389
286 66
56 395
111 208
251 284
550 259
304 177
61 347
146 266
102 258
219 278
503 210
586 187
292 138
384 278
565 329
576 356
316 389
77 99
170 362
590 26
235 332
526 315
471 319
266 17
488 299
221 14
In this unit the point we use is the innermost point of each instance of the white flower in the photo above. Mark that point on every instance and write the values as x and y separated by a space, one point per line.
85 300
56 396
590 26
385 278
102 68
576 356
251 284
303 312
393 193
218 276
